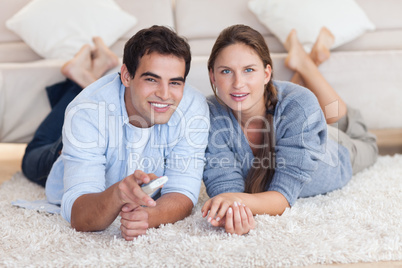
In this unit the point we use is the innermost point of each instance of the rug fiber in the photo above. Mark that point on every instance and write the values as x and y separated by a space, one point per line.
360 223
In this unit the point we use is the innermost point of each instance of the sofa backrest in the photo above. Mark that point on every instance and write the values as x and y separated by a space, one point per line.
202 20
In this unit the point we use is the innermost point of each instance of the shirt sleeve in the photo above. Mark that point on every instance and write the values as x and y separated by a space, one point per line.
223 172
83 154
301 133
185 163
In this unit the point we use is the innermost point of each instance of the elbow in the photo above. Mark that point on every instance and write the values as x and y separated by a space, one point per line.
284 204
81 226
282 209
78 226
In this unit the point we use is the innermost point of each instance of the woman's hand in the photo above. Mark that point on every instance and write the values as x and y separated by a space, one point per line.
225 210
218 206
239 219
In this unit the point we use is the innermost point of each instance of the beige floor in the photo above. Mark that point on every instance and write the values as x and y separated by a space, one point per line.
10 162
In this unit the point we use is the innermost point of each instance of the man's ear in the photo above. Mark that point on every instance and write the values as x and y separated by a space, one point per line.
125 76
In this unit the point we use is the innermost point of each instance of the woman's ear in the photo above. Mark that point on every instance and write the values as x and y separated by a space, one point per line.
212 77
125 76
268 73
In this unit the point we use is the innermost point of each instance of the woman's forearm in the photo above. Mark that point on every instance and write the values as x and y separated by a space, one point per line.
270 202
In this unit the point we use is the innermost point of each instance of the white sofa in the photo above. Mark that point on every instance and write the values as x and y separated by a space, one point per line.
366 72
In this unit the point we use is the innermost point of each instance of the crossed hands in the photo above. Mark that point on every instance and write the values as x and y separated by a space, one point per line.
226 210
134 217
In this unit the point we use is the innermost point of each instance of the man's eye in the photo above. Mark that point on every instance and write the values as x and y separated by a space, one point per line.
150 79
249 70
176 83
225 71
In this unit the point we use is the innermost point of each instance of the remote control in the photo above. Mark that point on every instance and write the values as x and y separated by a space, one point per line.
152 186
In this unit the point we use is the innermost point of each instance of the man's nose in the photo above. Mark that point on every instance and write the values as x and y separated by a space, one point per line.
163 92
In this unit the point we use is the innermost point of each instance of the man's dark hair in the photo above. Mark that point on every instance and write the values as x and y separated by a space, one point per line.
159 39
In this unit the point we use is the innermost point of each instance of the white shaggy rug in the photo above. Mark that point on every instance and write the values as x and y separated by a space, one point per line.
360 223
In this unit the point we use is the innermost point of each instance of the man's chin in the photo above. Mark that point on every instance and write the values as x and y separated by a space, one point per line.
161 120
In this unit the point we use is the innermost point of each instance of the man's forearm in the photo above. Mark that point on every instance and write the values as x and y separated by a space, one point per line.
96 211
169 208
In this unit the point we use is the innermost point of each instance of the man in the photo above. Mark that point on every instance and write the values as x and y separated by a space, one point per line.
125 130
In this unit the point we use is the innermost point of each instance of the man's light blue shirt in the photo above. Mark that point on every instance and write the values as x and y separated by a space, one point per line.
101 147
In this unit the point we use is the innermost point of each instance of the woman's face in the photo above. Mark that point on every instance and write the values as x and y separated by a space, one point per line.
240 78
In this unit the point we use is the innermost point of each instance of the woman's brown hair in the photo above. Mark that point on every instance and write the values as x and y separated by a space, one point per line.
260 175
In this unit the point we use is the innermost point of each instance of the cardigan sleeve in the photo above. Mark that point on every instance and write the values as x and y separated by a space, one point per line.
223 170
301 135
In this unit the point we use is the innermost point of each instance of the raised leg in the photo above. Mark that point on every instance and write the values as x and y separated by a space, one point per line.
103 58
298 60
319 53
78 69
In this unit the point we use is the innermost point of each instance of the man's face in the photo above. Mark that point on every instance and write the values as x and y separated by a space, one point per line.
156 90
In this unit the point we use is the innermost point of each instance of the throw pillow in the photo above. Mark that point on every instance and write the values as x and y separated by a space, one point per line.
59 28
344 18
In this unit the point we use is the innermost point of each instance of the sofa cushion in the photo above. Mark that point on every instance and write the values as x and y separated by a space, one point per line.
344 18
65 27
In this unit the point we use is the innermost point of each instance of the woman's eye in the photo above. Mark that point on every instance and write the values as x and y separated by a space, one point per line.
225 71
249 70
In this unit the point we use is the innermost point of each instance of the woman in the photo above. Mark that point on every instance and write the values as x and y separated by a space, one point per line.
269 142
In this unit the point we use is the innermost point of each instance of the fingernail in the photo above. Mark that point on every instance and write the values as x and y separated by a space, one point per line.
235 204
230 210
151 203
244 205
209 219
217 218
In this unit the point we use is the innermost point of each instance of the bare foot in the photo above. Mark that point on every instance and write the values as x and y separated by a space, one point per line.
103 58
321 49
78 68
297 56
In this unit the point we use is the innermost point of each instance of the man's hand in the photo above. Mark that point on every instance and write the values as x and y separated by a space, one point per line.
129 190
134 221
96 211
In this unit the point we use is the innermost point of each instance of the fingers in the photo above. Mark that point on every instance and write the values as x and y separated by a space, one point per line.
250 216
130 191
205 208
239 219
129 207
217 208
220 214
133 223
229 227
141 177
